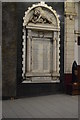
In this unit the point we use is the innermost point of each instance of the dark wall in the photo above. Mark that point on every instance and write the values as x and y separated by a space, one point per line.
9 49
13 14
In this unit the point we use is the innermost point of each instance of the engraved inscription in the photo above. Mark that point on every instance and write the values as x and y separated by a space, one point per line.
40 55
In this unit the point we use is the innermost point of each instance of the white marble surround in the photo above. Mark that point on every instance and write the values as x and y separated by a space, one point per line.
46 29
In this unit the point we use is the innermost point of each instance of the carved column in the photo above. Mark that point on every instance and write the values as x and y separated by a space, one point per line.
29 51
54 53
58 51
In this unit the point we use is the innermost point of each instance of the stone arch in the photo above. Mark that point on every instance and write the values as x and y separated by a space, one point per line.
45 10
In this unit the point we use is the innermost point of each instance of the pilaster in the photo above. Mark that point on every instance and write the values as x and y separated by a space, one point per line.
69 36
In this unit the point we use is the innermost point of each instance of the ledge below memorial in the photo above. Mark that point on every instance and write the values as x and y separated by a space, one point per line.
41 81
55 74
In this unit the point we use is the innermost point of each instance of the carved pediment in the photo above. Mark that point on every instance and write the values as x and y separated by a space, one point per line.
39 15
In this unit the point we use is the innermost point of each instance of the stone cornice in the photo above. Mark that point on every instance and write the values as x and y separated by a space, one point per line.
70 13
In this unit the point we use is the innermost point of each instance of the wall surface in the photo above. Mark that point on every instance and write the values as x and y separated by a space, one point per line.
0 50
69 41
9 49
12 15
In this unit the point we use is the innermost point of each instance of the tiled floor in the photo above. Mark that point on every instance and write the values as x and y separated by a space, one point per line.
50 106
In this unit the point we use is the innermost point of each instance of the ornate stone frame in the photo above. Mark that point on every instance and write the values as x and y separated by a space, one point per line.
56 39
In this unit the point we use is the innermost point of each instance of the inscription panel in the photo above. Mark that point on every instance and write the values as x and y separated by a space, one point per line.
41 50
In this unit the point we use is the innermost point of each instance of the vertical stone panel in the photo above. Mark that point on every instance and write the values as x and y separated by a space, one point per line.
69 36
76 33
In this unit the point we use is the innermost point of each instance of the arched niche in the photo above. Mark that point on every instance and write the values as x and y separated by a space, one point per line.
41 37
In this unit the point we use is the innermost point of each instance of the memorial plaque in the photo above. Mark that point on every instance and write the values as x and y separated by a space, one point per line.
41 30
